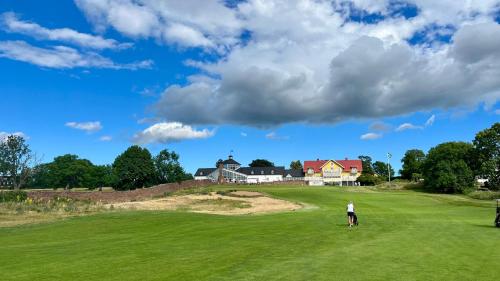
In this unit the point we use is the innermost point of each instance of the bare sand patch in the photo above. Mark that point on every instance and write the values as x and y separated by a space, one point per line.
244 193
214 204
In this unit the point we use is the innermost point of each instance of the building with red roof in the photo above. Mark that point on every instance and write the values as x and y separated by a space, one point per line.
336 172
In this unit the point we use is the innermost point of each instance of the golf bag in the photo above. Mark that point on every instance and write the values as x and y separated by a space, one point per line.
355 219
497 219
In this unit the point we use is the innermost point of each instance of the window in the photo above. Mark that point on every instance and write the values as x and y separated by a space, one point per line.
201 173
252 172
272 172
261 172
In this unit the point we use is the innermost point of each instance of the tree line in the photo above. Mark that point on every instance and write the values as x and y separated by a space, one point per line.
450 167
134 168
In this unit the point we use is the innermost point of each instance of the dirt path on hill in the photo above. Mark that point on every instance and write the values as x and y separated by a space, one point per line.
241 203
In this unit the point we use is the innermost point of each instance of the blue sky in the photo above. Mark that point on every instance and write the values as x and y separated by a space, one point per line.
289 81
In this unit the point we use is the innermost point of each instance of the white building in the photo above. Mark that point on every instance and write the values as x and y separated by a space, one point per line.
233 172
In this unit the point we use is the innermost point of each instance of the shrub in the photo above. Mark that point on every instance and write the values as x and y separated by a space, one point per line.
367 179
13 196
484 195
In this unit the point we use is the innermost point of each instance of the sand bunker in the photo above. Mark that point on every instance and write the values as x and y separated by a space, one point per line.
242 202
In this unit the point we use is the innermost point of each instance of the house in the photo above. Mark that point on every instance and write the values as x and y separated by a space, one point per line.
6 181
335 172
232 171
263 174
293 175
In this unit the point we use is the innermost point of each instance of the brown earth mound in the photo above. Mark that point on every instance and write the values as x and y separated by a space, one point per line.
214 204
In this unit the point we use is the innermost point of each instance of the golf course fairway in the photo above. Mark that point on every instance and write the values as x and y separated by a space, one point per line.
403 235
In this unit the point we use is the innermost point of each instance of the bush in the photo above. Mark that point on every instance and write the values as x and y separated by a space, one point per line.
367 179
484 195
13 196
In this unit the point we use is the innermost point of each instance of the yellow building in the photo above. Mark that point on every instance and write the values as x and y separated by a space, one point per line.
338 172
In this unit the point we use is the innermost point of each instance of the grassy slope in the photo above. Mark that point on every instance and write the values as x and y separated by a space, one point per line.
402 236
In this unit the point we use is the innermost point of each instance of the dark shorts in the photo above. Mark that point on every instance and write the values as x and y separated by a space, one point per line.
350 214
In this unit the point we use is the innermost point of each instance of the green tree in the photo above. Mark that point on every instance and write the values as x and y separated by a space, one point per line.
103 176
487 152
296 165
447 167
217 164
16 160
69 171
412 164
366 164
168 168
134 168
380 169
40 176
261 163
367 179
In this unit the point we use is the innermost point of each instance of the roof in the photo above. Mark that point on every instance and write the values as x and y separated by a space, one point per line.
315 165
201 172
230 161
347 164
294 173
262 170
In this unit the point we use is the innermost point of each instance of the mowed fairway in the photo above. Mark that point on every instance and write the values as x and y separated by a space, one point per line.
402 235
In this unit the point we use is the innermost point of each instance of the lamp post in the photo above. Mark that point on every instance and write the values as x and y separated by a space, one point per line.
389 155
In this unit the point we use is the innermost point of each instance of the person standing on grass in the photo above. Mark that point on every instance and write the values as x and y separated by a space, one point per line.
350 213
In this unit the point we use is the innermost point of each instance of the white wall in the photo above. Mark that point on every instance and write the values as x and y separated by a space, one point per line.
264 178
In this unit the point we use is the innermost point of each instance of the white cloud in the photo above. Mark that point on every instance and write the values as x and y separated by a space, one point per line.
106 138
190 23
89 127
274 136
13 24
380 126
305 62
370 136
61 57
430 121
4 135
408 126
243 134
167 132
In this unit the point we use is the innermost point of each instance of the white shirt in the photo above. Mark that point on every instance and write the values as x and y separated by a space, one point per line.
350 207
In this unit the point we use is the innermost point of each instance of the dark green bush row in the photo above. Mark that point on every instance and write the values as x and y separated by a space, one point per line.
13 196
485 195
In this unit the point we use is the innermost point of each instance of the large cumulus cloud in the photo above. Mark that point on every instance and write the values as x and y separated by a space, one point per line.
309 62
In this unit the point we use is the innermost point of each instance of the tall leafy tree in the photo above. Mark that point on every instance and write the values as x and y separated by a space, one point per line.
296 165
447 167
412 164
103 176
487 152
16 160
168 168
134 168
261 163
381 169
367 164
70 171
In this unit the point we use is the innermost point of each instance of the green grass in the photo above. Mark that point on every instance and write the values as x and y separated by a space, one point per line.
403 235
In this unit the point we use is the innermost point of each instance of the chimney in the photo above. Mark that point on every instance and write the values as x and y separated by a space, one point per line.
346 158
